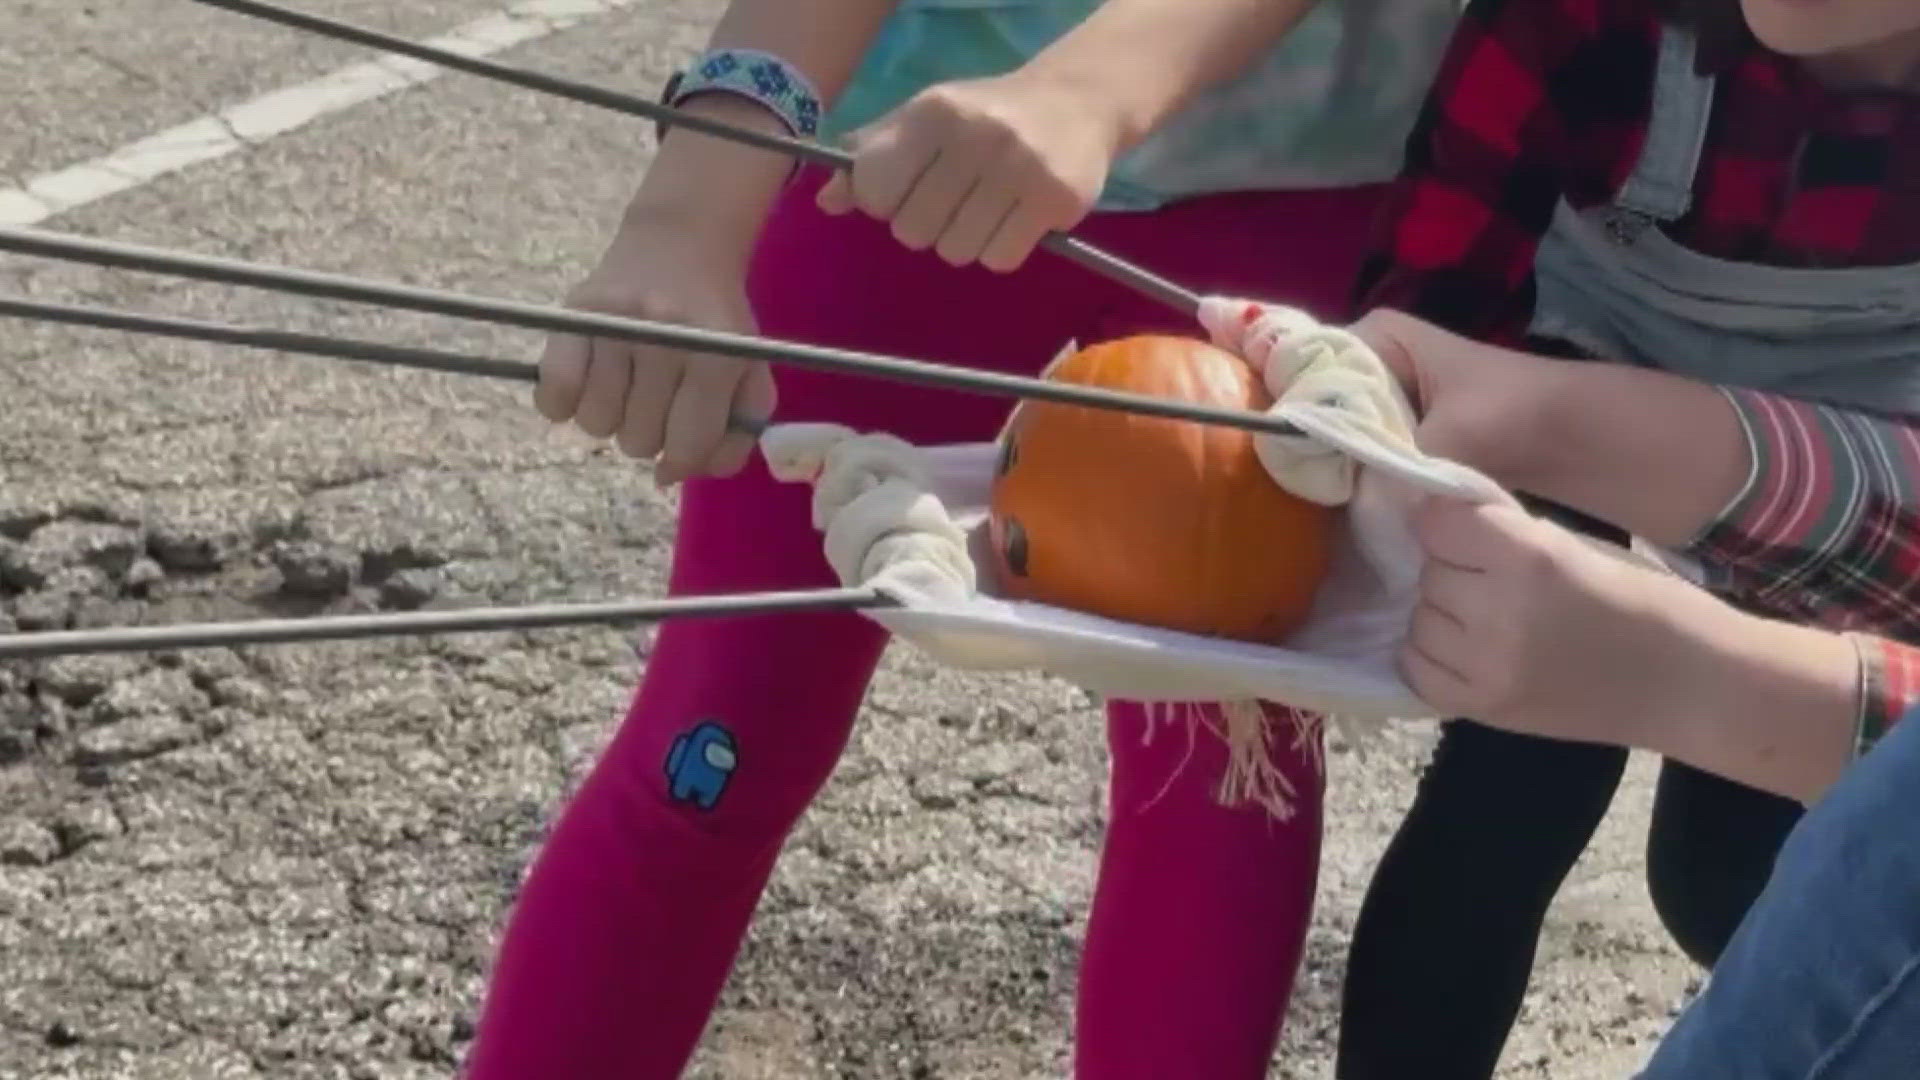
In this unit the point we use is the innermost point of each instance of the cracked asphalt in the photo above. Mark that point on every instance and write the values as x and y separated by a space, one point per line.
291 861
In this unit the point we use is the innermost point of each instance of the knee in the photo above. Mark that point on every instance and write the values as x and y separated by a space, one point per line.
1690 909
1710 852
707 751
736 727
732 783
1698 893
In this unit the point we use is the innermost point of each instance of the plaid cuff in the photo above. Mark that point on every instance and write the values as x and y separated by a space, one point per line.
1889 686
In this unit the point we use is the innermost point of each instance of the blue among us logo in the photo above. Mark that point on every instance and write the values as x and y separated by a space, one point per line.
699 764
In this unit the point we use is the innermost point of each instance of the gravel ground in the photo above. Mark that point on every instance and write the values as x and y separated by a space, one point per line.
291 862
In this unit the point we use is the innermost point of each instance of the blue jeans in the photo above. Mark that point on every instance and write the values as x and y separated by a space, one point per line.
1822 980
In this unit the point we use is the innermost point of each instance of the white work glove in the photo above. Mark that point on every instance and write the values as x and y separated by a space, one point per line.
873 501
1306 364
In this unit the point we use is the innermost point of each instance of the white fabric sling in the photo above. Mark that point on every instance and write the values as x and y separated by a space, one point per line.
909 521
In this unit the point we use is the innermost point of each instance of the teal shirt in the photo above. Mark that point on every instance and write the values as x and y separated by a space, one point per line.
1330 106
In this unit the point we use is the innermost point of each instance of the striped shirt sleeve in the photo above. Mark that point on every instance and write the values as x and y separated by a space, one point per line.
1827 528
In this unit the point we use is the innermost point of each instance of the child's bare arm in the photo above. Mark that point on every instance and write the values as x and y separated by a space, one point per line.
1805 508
729 187
1148 58
980 170
1526 627
680 252
1809 509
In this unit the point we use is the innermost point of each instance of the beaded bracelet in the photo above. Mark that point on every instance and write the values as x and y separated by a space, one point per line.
761 77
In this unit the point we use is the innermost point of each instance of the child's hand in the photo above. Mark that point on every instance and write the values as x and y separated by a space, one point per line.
1480 405
1522 625
650 400
980 170
1303 361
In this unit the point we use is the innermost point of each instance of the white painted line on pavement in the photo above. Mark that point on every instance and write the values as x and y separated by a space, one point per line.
277 112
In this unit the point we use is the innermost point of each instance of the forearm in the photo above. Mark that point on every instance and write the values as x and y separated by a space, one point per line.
1791 502
1770 705
1146 59
1655 454
729 187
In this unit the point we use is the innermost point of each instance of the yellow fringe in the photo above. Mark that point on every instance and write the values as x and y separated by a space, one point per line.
1251 776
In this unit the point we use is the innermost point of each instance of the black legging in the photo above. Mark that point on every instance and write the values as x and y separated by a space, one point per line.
1445 940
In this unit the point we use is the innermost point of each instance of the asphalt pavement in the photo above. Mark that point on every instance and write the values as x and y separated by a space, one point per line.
292 861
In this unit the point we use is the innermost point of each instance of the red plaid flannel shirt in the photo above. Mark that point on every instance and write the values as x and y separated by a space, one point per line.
1543 99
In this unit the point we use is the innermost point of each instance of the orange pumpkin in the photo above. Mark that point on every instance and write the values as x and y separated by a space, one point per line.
1151 520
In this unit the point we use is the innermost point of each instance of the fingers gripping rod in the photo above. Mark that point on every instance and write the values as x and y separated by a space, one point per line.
1101 262
47 244
270 631
267 631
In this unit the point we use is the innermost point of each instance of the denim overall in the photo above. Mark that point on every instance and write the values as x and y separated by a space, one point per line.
1823 979
1612 282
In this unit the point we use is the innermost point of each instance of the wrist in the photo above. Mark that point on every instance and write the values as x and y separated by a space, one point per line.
1121 112
720 189
1198 49
1653 453
1764 702
1705 682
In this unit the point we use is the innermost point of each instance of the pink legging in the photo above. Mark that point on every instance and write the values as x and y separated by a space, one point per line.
629 923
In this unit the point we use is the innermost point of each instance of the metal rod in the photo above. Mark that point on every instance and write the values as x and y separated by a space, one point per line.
488 619
46 244
259 337
541 82
1079 251
1114 268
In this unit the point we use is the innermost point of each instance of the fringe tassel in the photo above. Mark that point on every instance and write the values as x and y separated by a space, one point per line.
1244 725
